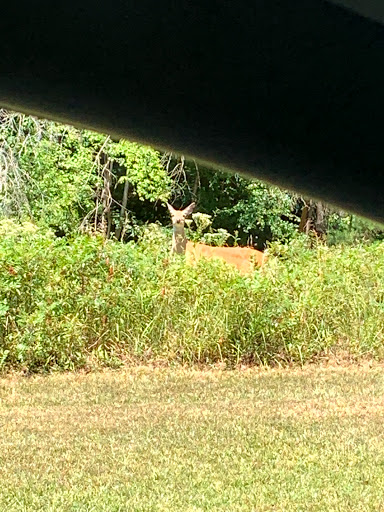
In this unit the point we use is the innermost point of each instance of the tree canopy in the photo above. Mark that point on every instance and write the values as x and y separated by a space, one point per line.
70 179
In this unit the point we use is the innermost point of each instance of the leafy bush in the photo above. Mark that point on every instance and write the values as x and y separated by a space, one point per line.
251 211
65 177
203 231
321 301
79 302
348 229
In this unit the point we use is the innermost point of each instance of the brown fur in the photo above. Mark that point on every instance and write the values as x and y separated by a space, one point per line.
245 259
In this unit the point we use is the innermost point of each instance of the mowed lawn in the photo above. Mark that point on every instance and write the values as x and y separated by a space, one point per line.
187 440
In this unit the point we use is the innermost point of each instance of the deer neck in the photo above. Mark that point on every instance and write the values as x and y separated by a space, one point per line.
179 240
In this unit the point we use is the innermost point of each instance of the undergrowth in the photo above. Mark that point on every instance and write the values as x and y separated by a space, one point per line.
84 302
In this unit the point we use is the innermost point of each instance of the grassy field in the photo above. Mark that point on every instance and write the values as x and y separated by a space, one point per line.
163 440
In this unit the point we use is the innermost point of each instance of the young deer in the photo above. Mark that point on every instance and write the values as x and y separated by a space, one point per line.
244 258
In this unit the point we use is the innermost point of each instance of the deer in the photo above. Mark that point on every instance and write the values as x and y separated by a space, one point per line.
179 240
243 258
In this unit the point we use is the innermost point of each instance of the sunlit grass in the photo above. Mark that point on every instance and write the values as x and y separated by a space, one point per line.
84 303
193 441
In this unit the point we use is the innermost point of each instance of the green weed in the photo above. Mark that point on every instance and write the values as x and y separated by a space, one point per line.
84 302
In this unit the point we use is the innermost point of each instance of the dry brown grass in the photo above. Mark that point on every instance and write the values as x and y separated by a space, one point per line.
157 439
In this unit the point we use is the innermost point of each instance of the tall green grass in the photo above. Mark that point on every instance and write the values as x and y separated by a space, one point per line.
68 304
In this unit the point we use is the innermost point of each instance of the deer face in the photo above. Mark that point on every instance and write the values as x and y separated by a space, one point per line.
179 216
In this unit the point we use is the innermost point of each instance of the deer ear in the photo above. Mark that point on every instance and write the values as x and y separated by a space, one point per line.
171 209
189 209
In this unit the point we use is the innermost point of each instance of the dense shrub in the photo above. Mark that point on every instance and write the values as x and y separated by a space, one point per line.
72 303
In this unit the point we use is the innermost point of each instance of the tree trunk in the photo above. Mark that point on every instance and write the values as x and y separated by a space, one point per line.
196 185
123 209
320 226
304 220
313 218
106 198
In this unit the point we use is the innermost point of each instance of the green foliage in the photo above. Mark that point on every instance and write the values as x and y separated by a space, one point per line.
67 178
330 300
143 170
61 186
251 211
55 174
265 213
203 231
350 229
66 302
